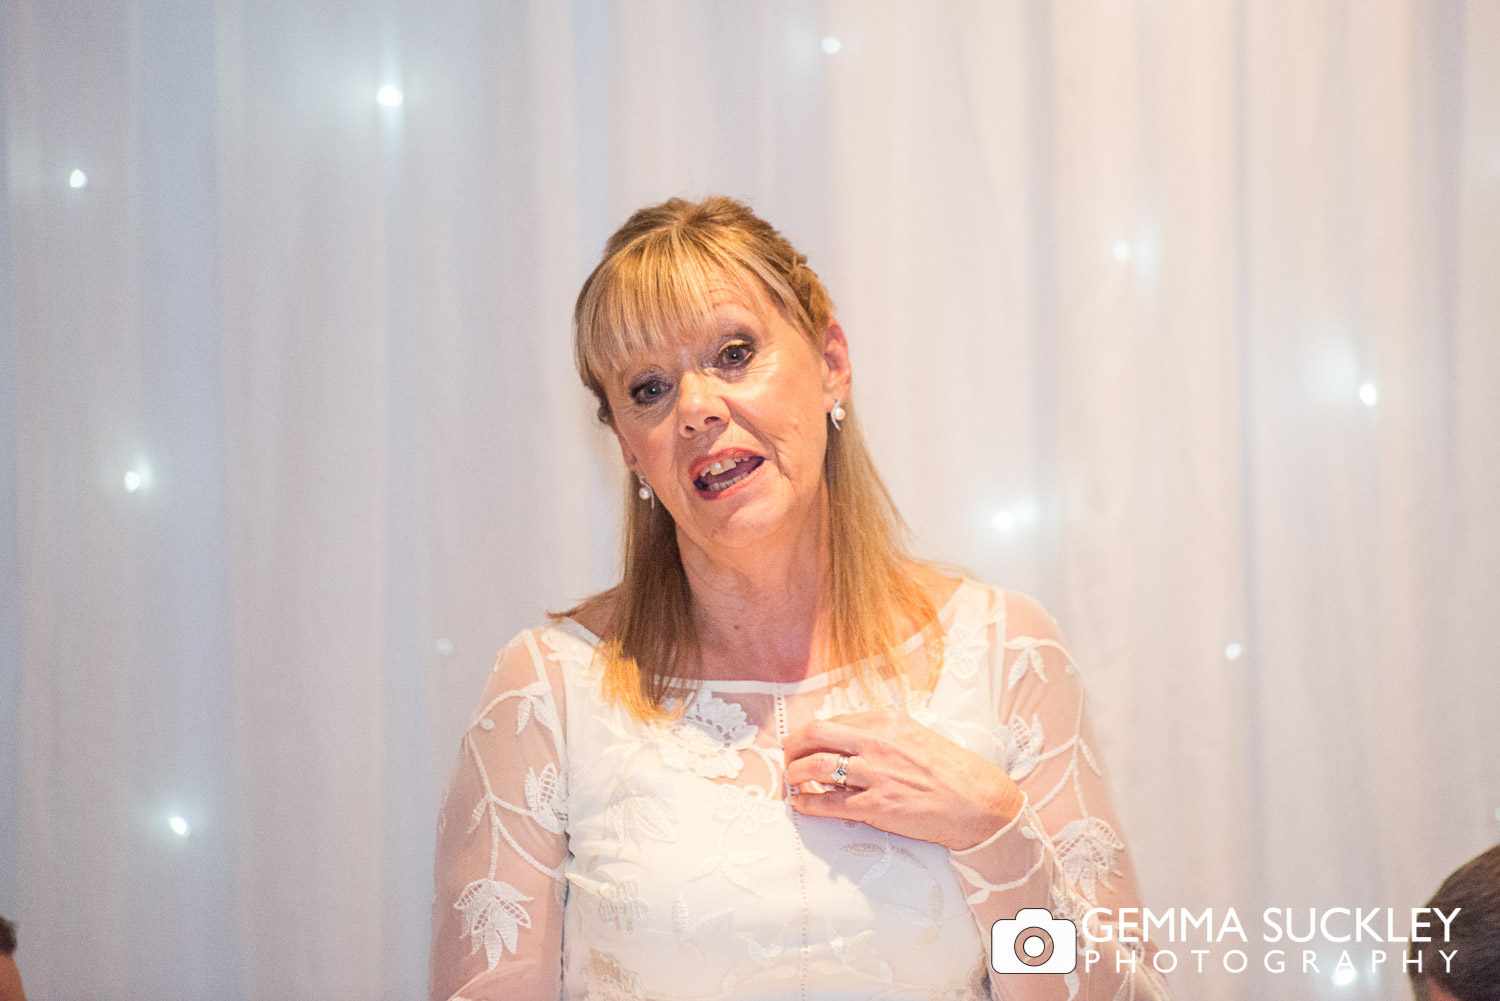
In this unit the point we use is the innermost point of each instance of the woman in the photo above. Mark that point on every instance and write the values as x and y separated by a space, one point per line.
781 758
10 977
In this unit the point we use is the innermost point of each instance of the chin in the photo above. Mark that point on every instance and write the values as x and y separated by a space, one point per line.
751 520
745 527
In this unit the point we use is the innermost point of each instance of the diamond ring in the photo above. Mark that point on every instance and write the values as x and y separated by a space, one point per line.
841 773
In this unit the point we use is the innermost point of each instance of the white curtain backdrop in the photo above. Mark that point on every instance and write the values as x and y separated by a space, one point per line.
1114 275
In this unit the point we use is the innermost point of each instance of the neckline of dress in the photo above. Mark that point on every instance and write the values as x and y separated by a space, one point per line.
809 684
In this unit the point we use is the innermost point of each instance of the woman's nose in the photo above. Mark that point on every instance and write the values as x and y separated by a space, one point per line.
699 404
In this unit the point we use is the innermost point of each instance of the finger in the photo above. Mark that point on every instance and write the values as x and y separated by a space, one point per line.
867 718
838 803
823 735
821 766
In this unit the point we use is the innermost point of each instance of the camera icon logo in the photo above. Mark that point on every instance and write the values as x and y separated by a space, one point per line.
1034 942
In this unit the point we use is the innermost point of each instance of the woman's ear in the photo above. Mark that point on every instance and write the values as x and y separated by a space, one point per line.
625 451
837 378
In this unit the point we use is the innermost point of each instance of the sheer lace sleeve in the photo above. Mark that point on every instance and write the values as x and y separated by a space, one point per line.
1064 851
497 915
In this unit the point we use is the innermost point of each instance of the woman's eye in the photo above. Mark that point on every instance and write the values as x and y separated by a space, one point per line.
736 354
649 391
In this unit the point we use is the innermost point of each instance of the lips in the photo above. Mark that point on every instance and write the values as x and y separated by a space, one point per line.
722 471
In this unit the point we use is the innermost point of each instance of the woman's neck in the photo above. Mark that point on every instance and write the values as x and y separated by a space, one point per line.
763 611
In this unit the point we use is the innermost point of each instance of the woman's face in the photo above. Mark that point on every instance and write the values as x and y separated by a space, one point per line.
729 427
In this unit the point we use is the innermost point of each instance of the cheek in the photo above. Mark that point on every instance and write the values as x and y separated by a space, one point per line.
650 448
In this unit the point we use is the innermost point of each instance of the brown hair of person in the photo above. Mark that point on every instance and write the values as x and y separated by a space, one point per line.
1473 890
661 274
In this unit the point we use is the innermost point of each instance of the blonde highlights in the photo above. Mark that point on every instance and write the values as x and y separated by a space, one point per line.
659 279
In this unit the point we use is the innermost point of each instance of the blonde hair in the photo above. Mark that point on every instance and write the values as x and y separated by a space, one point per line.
658 281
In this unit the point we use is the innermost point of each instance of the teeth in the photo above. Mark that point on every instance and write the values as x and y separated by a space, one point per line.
723 464
719 467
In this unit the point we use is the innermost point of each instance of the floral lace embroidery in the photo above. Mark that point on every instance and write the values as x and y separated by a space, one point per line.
492 914
547 796
607 980
620 903
638 811
731 866
492 909
689 928
856 955
1023 746
1088 849
708 738
963 648
747 807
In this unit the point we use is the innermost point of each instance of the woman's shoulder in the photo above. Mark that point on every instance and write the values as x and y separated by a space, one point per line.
594 615
941 583
1016 612
539 651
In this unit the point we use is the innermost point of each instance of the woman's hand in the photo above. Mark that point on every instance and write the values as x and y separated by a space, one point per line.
902 777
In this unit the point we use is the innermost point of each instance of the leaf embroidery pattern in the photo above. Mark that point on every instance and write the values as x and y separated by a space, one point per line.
731 866
1023 746
547 797
638 811
1029 658
1088 849
492 914
688 928
883 854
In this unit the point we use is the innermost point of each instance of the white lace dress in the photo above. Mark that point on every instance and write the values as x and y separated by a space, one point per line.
583 854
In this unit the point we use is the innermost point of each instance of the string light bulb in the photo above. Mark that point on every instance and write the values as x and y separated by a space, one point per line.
78 179
389 96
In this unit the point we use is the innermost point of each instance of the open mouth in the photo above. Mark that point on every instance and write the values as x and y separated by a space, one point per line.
726 473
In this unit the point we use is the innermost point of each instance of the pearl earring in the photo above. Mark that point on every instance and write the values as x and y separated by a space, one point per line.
837 414
645 493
